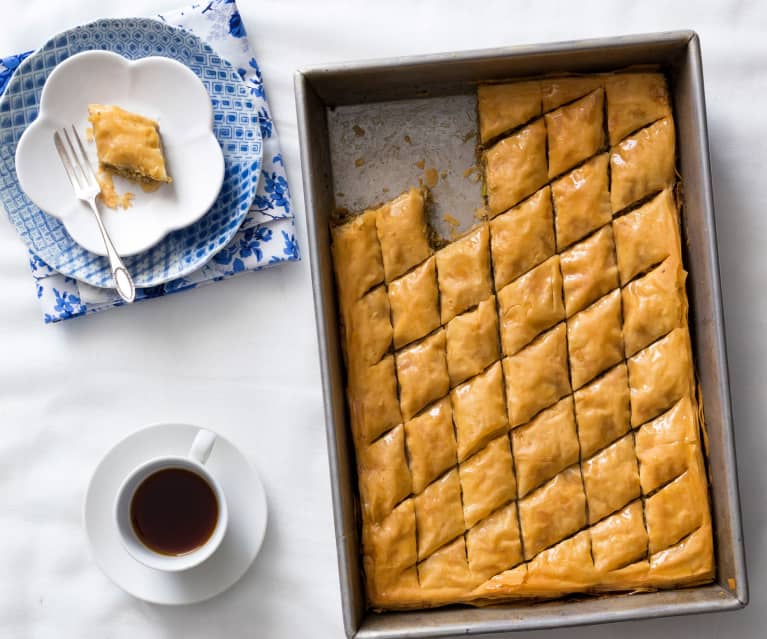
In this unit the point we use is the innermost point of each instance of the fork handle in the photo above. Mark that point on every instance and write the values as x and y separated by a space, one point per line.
122 279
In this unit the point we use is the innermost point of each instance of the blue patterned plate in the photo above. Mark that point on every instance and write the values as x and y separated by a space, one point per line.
235 124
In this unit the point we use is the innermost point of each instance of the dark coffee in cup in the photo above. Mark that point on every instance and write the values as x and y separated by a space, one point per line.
174 511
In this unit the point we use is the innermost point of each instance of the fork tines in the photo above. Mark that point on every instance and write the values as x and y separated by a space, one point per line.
75 162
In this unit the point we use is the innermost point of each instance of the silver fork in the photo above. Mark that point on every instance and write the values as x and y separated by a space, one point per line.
86 186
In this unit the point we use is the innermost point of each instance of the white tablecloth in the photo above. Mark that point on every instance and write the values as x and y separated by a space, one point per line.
214 356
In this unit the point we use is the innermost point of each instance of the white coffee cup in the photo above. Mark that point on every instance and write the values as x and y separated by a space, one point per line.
194 462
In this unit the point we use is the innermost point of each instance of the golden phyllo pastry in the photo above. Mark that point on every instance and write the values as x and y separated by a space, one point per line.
643 164
582 201
522 238
635 100
515 167
479 412
523 399
558 91
472 341
503 107
531 304
127 143
575 132
545 446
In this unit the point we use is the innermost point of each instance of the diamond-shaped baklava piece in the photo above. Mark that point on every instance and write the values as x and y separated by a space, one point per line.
503 107
446 568
394 538
653 305
438 514
508 580
582 201
545 446
647 236
558 91
575 131
463 272
611 478
634 100
373 402
368 329
530 305
487 480
516 167
390 546
472 342
660 375
565 567
554 511
430 444
594 339
536 377
676 510
642 164
414 303
478 410
357 257
494 545
664 446
589 270
387 588
403 234
384 474
522 237
619 539
602 410
422 373
691 561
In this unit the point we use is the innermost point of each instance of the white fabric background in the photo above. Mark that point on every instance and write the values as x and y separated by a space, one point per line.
241 357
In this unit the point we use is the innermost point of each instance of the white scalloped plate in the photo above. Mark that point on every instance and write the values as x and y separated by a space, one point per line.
156 87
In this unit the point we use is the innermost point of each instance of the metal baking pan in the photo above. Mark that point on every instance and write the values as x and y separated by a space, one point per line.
325 95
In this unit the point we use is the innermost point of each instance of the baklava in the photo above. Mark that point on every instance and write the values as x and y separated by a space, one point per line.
128 144
523 401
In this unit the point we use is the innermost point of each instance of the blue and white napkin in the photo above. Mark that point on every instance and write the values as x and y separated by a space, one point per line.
267 235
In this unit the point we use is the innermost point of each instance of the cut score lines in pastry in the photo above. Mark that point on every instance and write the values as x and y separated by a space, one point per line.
527 434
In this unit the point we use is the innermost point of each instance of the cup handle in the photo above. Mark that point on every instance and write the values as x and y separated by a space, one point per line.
202 445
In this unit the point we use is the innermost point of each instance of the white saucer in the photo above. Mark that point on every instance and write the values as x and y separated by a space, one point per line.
246 501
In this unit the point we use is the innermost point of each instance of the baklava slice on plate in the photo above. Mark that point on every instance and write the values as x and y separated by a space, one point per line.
128 144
